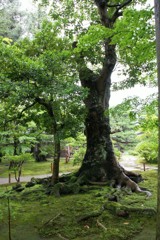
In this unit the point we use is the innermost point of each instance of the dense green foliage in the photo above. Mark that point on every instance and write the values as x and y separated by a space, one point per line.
148 130
43 72
36 73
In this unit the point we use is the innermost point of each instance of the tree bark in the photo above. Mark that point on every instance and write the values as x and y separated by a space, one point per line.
157 22
57 150
99 163
15 146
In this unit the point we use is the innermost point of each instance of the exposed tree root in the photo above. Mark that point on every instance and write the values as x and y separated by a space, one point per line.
136 177
74 183
147 211
124 180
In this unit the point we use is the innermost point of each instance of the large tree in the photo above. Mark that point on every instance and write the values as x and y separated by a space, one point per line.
104 31
101 37
100 164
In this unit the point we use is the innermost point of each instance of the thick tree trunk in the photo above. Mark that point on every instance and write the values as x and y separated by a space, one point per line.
100 164
99 159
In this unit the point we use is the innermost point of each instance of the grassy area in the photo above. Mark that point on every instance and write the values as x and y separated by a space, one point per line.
36 216
32 168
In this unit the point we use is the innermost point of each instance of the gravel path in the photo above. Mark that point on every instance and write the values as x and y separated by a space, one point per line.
130 163
23 179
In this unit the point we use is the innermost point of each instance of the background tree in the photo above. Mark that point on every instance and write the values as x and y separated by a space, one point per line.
147 129
11 18
123 125
37 74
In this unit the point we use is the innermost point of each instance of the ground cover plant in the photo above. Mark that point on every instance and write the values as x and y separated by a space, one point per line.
91 214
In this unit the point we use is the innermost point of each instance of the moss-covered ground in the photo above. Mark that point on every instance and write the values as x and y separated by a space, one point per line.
86 216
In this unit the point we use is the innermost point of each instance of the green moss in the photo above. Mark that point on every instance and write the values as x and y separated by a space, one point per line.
37 216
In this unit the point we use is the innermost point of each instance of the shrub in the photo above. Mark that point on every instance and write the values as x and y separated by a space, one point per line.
147 151
79 155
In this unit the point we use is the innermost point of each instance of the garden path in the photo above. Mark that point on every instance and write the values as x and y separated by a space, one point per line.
127 161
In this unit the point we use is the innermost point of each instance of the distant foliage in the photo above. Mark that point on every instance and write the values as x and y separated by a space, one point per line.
11 18
148 151
23 157
147 126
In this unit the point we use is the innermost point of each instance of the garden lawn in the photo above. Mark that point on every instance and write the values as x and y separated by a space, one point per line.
32 168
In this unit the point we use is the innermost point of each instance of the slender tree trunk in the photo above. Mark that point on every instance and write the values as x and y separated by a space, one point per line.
15 145
49 108
57 149
157 21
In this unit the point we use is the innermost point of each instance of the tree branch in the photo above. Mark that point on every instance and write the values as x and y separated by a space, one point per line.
102 8
124 4
26 108
117 13
116 131
19 115
47 105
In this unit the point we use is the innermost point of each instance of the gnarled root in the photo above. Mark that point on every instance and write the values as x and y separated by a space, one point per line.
136 177
124 180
